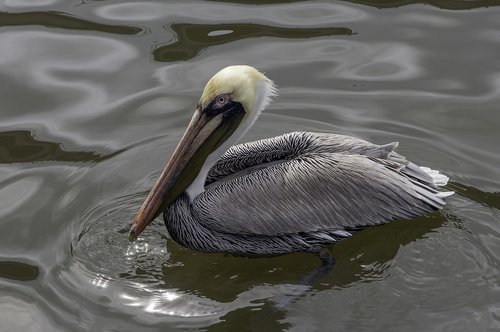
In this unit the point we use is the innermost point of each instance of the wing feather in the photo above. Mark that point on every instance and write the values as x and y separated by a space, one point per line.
250 156
316 191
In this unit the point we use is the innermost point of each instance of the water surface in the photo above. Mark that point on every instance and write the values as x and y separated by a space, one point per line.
94 96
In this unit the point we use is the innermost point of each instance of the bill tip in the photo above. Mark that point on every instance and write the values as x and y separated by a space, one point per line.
131 235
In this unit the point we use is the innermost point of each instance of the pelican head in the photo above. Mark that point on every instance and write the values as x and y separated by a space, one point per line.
231 102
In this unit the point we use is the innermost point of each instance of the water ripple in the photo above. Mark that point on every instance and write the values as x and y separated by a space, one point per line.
448 4
193 38
63 21
89 118
213 12
129 274
28 3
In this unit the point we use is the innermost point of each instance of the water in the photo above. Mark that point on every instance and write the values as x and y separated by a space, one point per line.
94 96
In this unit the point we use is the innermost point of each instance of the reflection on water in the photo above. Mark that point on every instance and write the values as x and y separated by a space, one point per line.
445 4
192 38
21 147
89 118
489 199
18 271
63 21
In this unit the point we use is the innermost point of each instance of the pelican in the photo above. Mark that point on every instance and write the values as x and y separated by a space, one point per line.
299 192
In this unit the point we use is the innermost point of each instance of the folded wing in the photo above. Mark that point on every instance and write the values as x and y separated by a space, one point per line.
317 191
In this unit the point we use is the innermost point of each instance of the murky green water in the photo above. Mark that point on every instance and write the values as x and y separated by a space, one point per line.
94 96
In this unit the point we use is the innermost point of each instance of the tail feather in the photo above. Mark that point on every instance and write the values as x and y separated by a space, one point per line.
431 179
438 179
444 194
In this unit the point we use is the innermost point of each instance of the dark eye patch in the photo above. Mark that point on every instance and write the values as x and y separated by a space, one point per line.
214 108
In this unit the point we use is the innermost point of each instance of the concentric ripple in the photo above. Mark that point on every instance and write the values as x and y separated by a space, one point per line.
129 274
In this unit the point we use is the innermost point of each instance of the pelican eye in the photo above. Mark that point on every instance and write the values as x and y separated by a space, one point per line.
221 104
221 100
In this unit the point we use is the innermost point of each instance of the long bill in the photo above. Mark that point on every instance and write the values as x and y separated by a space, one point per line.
204 134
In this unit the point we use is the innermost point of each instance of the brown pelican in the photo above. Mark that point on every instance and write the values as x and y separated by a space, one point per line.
297 192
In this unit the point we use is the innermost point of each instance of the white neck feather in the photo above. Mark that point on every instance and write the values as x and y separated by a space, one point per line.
265 90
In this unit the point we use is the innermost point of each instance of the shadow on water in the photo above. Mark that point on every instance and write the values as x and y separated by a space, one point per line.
20 146
61 20
489 199
193 38
363 258
254 320
443 4
360 258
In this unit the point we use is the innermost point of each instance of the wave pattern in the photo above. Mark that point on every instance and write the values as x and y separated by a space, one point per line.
94 96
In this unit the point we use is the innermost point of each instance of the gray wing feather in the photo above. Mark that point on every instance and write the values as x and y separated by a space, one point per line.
254 155
316 191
